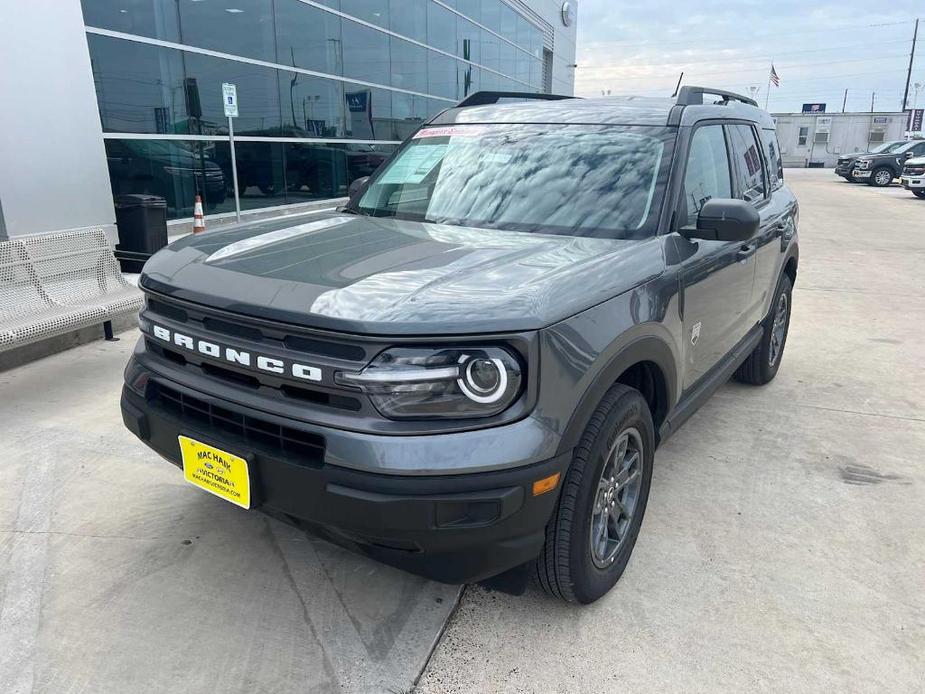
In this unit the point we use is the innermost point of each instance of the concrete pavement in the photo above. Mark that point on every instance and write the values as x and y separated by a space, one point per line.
783 547
117 576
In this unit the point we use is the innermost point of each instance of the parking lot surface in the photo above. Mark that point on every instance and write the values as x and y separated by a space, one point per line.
782 548
117 576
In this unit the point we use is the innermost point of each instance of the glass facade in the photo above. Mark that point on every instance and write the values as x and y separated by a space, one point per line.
310 76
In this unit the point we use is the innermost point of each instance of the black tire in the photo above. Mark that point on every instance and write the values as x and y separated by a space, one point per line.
762 365
919 193
566 567
881 177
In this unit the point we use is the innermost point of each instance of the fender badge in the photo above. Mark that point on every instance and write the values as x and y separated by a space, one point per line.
695 333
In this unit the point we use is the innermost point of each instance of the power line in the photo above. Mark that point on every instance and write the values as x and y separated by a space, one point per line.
751 37
683 61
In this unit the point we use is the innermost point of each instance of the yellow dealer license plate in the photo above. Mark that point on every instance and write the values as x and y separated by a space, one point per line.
219 472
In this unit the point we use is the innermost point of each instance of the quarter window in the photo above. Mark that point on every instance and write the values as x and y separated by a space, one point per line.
749 168
775 164
707 174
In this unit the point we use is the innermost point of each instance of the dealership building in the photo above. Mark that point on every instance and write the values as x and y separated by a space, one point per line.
109 97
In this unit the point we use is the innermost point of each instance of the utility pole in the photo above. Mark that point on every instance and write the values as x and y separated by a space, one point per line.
915 35
844 101
873 97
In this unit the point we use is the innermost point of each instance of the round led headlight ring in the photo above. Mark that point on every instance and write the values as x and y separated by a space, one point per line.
472 383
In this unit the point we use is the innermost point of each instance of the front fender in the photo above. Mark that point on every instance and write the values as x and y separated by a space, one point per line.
583 356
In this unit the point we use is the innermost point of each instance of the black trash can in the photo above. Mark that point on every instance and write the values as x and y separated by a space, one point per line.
142 222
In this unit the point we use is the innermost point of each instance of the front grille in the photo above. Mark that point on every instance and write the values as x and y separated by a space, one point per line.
272 438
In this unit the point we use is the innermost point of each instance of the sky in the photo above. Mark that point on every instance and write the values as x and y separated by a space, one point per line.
819 49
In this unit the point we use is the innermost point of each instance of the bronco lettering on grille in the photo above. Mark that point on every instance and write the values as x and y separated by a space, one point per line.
236 356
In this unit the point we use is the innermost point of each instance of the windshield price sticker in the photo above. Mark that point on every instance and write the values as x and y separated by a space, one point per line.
455 131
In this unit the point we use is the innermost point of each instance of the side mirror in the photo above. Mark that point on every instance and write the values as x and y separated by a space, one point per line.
355 188
723 219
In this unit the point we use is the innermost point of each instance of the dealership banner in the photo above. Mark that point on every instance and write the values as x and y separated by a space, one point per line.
916 119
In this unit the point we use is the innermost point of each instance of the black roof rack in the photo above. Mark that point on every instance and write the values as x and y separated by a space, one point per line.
486 98
693 96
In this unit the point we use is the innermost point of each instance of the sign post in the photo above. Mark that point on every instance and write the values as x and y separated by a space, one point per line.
230 102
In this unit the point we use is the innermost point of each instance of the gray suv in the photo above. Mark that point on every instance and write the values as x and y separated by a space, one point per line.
465 372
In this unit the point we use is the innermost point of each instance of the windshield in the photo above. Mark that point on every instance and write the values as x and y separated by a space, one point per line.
578 180
906 146
886 147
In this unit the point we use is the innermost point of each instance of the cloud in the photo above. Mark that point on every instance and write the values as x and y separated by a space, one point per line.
819 49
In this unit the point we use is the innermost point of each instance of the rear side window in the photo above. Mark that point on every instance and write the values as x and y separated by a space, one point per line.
749 169
707 174
775 164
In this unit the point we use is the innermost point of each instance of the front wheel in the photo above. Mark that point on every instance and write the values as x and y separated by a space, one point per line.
593 530
881 178
764 361
919 193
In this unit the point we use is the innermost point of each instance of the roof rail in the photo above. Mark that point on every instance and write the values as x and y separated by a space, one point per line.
693 96
486 98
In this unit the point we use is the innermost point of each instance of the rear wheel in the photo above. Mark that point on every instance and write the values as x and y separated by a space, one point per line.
764 361
593 530
881 177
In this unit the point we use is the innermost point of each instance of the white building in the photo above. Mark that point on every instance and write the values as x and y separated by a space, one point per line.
819 139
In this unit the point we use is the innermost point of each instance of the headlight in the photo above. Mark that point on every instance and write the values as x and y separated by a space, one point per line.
427 383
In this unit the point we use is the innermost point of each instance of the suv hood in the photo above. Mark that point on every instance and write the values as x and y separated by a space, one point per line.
881 157
390 277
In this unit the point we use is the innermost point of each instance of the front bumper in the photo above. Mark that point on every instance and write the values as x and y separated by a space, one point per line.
861 173
844 170
449 528
913 182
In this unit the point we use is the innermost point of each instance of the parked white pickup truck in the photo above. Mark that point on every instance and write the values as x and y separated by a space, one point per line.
913 176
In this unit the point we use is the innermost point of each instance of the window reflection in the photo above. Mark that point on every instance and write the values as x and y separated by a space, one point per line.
409 65
372 11
156 20
269 173
258 96
311 106
244 27
409 18
308 37
365 53
468 41
441 75
441 28
139 88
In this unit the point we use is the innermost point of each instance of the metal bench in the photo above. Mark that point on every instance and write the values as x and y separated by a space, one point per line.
56 283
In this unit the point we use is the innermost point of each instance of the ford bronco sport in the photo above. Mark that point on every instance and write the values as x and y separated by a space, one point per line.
466 370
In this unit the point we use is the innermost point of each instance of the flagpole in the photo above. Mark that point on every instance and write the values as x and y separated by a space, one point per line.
767 94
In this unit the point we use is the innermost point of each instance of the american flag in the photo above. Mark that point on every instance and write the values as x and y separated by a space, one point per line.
775 78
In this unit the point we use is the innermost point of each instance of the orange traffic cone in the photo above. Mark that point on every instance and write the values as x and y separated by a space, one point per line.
199 223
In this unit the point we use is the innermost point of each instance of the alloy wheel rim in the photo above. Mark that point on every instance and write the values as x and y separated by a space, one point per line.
882 178
616 497
778 330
